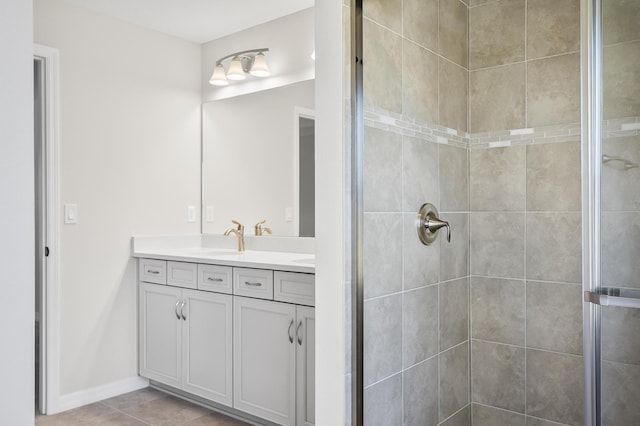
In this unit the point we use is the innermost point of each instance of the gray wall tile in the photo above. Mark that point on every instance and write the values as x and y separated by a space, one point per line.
454 178
420 173
420 18
383 53
419 83
461 418
454 312
554 177
620 185
384 12
419 325
497 244
553 90
620 394
621 335
454 255
498 375
620 249
453 31
620 21
453 90
496 33
497 310
555 387
621 84
497 98
553 27
382 253
497 178
554 250
421 394
382 338
421 264
534 421
490 416
454 380
382 170
554 317
383 403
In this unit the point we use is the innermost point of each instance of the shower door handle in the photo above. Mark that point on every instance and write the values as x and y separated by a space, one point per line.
617 297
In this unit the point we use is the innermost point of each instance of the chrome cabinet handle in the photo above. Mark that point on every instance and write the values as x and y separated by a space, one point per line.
291 331
218 280
253 284
177 305
184 317
152 271
298 333
428 224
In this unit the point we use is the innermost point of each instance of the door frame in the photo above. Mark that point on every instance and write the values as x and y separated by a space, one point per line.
50 318
298 113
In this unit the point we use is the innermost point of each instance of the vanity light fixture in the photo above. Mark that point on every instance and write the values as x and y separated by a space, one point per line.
251 61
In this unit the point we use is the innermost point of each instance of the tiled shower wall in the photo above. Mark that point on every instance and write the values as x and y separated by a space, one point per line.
416 354
525 220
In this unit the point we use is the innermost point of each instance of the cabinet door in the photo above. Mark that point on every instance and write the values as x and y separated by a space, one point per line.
305 366
160 333
264 359
207 343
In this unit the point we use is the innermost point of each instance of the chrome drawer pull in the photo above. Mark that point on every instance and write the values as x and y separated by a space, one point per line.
152 271
184 317
218 280
253 284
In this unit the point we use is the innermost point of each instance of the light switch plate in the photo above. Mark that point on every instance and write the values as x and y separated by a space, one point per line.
209 213
288 214
191 214
70 214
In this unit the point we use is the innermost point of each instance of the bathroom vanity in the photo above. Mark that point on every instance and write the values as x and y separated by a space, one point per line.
232 330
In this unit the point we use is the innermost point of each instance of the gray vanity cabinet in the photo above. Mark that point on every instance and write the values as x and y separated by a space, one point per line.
185 340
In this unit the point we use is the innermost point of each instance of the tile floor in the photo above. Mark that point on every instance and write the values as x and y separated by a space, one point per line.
144 407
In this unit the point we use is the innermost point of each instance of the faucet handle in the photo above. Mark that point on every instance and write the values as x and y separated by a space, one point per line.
259 230
240 226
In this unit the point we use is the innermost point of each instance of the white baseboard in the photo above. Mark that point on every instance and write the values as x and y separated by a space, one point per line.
88 396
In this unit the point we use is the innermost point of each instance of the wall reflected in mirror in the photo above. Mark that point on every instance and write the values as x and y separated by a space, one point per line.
257 161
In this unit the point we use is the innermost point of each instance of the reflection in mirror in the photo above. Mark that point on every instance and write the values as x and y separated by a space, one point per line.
257 162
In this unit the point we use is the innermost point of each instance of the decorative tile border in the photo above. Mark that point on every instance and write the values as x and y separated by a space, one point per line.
396 123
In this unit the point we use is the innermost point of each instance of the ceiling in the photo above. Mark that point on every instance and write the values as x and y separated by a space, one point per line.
198 21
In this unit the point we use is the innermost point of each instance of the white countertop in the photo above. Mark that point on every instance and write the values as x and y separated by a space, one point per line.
279 261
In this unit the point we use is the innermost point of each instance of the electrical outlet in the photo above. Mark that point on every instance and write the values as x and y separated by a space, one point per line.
209 213
191 214
288 214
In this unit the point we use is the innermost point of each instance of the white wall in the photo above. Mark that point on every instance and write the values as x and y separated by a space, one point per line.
248 157
16 214
331 192
290 40
130 158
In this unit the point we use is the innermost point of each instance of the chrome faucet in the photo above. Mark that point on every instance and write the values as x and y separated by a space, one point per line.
239 231
259 230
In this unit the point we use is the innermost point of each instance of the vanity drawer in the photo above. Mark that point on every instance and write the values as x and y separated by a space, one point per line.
182 274
294 287
153 271
215 278
253 283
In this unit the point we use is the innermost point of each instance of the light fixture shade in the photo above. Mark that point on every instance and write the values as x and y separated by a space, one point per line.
235 70
218 78
260 68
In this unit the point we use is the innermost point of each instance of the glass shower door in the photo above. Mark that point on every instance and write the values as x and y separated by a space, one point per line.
615 289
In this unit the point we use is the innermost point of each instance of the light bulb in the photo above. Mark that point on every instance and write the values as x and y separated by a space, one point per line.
260 68
218 78
235 70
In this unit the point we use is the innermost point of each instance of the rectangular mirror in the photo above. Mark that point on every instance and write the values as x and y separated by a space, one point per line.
257 161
